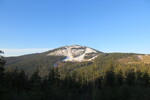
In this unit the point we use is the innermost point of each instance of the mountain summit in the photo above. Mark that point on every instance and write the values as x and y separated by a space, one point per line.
75 53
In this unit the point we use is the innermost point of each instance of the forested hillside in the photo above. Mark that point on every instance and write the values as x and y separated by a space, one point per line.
114 76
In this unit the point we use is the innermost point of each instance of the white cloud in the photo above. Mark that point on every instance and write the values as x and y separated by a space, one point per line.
18 52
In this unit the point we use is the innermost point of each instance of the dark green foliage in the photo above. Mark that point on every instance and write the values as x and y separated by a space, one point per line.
111 86
130 78
102 79
99 81
2 63
119 78
109 79
145 80
35 87
30 63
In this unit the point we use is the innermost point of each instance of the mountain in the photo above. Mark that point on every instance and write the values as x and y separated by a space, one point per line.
73 57
44 61
75 53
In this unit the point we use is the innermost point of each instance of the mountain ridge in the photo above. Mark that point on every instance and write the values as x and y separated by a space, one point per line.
73 57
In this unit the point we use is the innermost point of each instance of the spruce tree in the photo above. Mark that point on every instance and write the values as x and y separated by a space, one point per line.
2 63
35 86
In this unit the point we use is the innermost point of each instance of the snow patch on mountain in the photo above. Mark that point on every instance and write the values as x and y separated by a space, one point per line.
75 53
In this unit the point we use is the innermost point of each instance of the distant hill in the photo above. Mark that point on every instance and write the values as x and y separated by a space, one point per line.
74 57
43 61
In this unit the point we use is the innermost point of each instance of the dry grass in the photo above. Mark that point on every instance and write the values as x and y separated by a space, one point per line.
145 58
136 59
130 60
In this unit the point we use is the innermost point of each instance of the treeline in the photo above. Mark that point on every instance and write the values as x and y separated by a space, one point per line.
103 79
133 85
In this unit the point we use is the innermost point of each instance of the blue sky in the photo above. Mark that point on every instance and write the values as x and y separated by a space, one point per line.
106 25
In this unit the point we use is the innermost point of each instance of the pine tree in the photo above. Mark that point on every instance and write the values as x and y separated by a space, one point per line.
130 78
109 79
119 78
139 78
145 79
35 85
2 63
22 81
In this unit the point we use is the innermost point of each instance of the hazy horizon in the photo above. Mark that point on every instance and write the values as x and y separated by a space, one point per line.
19 52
